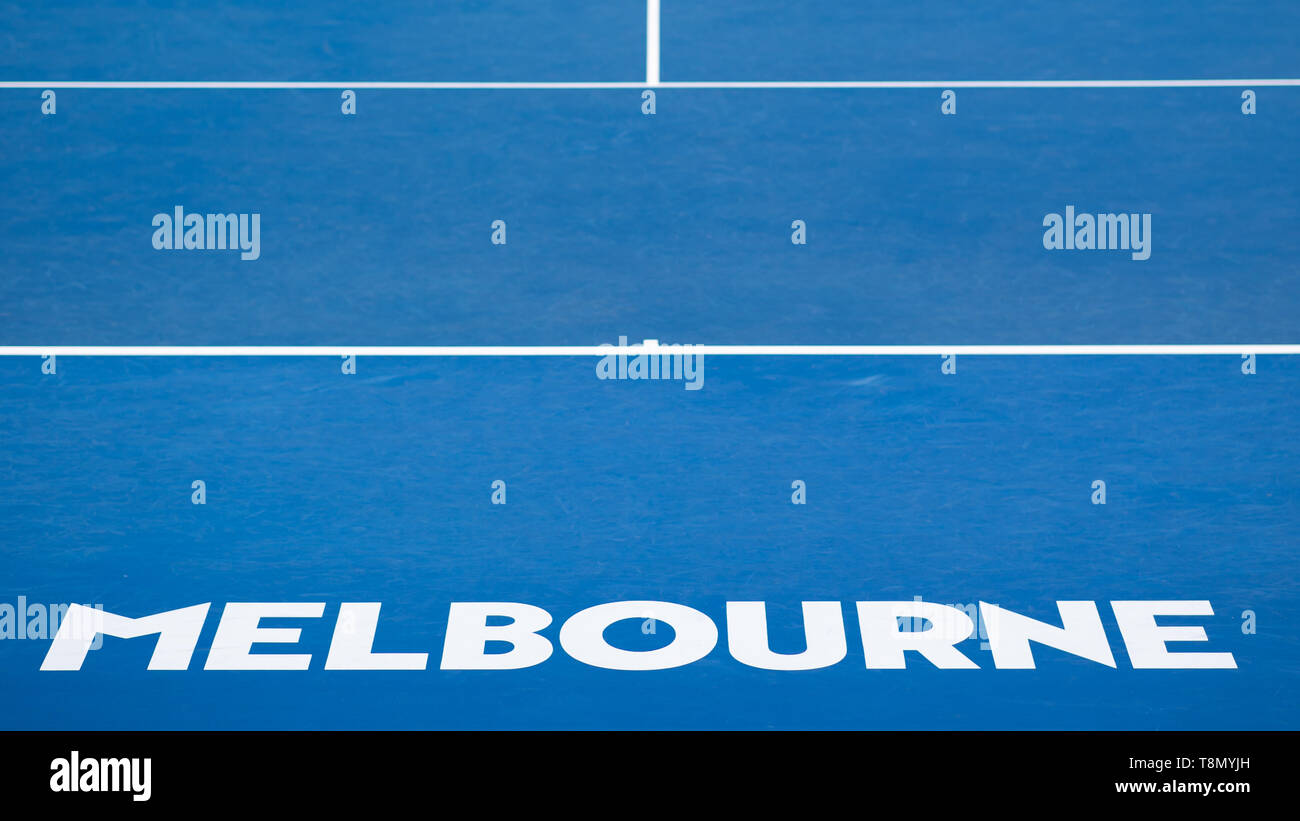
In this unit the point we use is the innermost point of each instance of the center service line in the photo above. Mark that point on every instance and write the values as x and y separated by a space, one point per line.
652 42
649 346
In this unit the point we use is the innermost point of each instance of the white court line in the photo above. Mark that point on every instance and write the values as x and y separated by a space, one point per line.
847 84
652 42
603 350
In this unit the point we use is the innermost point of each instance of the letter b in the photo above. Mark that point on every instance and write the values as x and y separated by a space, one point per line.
468 634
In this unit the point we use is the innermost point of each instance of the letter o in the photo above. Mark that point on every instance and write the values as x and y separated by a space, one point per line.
583 636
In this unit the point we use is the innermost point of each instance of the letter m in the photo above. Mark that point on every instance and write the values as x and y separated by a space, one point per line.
1112 230
178 633
223 231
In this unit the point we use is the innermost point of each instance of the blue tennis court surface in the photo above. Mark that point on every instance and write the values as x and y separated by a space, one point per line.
921 228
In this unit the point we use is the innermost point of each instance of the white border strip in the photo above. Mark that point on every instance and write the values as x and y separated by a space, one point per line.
648 347
651 79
